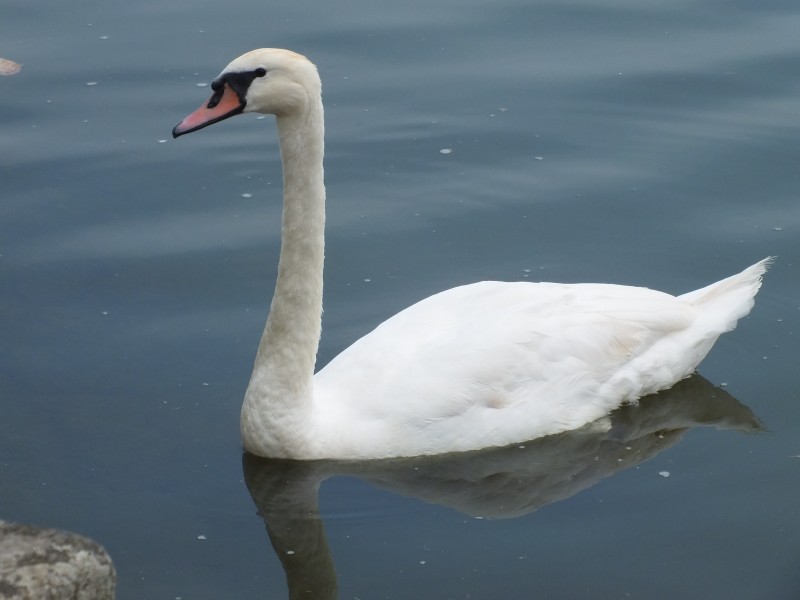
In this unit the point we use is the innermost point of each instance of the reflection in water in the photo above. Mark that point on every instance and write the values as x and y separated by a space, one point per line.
498 483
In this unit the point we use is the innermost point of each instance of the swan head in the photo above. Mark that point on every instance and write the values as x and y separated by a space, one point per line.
267 80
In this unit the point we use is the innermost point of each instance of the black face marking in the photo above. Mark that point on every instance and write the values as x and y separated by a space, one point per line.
239 82
219 90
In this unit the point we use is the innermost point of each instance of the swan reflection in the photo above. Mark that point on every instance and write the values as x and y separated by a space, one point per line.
498 483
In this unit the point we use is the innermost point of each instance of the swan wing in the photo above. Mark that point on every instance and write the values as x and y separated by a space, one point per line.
493 363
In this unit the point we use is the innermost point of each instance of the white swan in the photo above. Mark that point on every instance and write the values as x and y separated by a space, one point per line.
480 365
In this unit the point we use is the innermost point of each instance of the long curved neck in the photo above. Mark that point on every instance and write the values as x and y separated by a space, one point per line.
280 394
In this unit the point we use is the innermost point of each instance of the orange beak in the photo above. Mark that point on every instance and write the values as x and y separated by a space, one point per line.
223 104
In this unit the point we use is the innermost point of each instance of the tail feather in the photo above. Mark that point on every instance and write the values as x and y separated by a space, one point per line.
732 298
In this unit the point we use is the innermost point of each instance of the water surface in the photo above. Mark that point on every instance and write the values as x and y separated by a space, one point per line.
633 142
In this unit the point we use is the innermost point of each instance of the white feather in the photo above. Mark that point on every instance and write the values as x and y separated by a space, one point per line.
493 363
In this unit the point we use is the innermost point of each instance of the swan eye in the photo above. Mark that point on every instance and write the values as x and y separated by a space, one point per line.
260 72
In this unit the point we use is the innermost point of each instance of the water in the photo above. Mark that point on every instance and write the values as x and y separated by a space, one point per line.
645 143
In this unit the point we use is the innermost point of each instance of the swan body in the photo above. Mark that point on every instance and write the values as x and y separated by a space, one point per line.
481 365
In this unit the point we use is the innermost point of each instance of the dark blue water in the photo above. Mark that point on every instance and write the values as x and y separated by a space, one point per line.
623 141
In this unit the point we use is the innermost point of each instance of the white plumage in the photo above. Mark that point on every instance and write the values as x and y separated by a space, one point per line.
481 365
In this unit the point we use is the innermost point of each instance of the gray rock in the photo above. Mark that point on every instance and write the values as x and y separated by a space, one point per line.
47 564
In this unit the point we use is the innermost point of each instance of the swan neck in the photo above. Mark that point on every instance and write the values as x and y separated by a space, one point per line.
280 395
